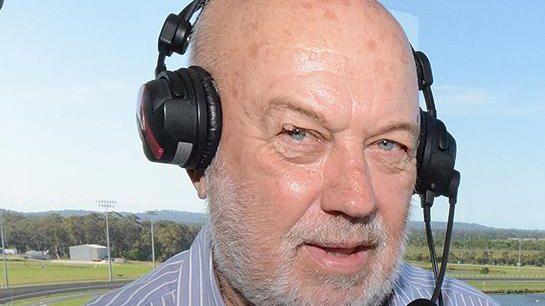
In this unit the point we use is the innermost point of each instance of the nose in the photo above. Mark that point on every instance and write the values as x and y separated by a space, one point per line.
350 188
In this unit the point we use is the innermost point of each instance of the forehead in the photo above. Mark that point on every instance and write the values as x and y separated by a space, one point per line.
341 86
325 55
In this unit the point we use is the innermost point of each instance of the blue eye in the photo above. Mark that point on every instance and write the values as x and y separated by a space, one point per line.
387 145
297 134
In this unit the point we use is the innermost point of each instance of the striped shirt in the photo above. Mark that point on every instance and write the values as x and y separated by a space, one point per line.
188 279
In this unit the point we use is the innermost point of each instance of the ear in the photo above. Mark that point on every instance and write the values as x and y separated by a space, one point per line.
198 179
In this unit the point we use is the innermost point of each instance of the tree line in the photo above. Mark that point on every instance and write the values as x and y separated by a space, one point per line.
130 237
480 257
479 240
484 248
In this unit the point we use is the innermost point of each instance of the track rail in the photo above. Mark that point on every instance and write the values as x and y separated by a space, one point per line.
25 292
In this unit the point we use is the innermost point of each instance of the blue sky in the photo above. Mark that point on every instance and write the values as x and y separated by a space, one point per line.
70 71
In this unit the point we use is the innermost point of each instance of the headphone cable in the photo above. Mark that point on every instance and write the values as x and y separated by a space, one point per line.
427 202
448 235
426 205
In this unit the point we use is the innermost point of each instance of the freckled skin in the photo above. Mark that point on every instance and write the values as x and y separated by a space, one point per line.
329 15
307 5
371 45
354 66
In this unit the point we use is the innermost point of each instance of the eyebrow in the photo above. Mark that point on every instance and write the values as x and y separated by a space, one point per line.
285 103
412 128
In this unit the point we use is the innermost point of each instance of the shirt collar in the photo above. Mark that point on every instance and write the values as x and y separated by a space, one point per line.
198 284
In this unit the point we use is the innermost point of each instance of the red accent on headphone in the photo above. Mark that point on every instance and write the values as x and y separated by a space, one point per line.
152 142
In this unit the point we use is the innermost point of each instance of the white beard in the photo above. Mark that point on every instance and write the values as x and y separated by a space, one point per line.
237 240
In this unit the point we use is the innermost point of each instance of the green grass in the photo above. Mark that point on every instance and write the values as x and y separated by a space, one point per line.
75 302
68 299
493 253
470 270
494 286
30 272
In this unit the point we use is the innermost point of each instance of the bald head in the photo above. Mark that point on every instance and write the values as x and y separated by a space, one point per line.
235 33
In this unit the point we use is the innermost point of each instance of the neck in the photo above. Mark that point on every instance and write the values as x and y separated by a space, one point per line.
230 295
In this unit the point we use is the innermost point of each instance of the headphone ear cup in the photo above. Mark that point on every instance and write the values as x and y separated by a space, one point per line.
214 115
422 141
435 157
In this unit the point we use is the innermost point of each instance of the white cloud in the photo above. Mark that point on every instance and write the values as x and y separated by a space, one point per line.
470 101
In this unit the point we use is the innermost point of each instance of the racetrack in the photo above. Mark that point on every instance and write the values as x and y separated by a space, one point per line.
25 292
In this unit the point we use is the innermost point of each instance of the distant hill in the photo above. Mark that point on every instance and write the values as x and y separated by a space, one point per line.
458 226
167 215
175 216
63 213
461 228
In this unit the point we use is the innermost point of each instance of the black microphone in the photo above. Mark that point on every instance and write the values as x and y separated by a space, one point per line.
421 302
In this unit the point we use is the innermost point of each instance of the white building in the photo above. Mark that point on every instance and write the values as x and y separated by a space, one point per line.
8 251
88 252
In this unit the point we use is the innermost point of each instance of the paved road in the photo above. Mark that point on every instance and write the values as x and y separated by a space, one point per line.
25 292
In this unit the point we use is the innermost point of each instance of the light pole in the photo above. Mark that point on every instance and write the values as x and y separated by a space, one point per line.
152 213
107 204
4 255
520 249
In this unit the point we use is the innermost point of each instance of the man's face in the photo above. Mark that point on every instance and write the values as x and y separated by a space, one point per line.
310 188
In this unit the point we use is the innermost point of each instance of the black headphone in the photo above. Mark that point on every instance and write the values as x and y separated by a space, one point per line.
179 113
179 116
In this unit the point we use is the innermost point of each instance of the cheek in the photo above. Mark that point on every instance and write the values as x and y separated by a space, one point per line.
286 191
393 194
297 190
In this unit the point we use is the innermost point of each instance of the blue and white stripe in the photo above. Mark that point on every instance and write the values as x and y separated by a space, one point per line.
188 279
185 279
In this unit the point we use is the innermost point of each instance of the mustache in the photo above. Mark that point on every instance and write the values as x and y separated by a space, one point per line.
339 229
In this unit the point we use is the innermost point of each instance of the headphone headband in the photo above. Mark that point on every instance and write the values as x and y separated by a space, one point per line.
176 33
192 8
